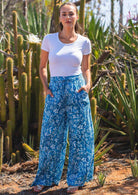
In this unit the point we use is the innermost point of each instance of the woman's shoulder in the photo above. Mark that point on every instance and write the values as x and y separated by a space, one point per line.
50 35
84 38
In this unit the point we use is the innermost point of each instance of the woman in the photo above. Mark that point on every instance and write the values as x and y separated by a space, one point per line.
67 106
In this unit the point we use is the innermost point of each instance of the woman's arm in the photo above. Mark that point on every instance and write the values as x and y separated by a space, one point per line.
43 71
86 73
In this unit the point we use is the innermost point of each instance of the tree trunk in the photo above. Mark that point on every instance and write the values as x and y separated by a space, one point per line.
82 15
25 10
55 17
120 17
1 15
112 16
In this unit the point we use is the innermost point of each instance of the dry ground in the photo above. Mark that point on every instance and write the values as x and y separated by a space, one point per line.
119 180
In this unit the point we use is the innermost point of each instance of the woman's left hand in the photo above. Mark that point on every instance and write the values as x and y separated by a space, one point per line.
85 88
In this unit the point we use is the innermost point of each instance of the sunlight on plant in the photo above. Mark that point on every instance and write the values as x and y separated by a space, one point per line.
101 178
134 168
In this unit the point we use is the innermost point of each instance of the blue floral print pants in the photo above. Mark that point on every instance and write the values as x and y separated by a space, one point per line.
67 112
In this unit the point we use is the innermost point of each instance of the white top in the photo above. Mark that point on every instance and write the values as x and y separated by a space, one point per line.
65 58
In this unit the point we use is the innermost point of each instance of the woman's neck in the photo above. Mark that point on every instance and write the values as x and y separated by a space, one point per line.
68 33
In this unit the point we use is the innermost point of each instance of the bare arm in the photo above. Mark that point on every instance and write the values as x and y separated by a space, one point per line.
86 73
43 71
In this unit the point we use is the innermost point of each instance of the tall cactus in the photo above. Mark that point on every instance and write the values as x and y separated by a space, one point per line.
24 105
9 66
20 69
8 42
7 47
29 81
41 109
82 15
36 82
1 147
38 51
14 15
2 99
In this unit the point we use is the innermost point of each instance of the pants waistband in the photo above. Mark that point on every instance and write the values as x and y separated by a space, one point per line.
66 78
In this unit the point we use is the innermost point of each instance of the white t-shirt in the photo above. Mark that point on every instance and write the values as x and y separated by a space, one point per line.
65 58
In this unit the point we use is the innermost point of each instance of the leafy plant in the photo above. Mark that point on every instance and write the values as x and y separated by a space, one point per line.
129 39
38 21
128 101
101 178
134 168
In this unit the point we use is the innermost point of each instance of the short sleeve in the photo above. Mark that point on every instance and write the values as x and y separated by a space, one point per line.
87 47
45 43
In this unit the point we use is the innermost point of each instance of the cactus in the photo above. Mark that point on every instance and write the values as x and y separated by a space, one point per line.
7 43
120 106
9 134
29 81
13 158
38 51
14 15
7 48
29 150
2 100
20 69
1 147
7 147
24 104
9 66
17 156
41 109
37 84
94 108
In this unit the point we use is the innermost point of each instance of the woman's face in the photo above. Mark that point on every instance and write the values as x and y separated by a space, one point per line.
68 16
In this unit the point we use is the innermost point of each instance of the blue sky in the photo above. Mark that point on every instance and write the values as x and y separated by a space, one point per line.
130 6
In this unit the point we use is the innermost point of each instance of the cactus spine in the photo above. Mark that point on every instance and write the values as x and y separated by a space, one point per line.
9 134
14 15
7 147
2 100
94 108
24 105
9 65
20 69
1 148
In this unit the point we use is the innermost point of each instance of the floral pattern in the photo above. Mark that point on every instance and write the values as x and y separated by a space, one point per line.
67 112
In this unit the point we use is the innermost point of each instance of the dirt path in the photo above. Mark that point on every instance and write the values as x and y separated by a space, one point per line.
118 181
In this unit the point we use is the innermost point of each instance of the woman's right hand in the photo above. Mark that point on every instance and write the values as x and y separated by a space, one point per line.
48 91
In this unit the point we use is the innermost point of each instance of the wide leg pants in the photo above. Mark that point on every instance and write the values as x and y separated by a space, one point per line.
68 111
